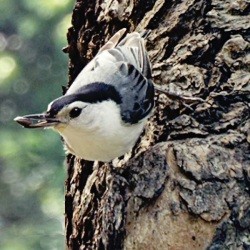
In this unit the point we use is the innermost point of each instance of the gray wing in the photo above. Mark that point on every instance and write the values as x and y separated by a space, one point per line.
136 87
137 94
130 49
124 65
133 48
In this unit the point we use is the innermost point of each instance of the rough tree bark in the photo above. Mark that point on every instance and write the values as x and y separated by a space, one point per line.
186 183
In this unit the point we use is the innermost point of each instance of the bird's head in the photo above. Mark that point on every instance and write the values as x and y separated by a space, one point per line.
80 111
59 115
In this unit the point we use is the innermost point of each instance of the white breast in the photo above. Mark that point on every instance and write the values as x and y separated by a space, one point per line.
105 137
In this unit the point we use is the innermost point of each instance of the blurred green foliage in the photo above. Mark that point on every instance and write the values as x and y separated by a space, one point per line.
32 70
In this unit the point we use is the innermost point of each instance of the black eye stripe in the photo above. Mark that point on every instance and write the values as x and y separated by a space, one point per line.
75 112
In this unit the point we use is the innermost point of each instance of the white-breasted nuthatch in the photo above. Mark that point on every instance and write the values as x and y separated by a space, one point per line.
104 111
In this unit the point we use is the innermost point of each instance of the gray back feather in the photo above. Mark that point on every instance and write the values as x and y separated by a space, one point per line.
125 65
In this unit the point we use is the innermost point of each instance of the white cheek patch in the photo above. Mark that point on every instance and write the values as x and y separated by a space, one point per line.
99 117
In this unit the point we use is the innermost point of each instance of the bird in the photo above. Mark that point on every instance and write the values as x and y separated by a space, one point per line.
104 111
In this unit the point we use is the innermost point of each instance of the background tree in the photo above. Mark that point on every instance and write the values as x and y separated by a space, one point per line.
186 183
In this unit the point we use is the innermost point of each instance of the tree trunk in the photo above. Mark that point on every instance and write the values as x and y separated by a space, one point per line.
185 185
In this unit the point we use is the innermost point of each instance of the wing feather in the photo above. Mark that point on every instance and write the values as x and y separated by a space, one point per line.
124 65
137 94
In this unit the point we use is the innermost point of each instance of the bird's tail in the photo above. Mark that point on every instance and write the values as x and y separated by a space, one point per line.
113 41
135 41
132 48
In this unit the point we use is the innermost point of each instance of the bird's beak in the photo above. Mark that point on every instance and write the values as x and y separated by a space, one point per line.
36 121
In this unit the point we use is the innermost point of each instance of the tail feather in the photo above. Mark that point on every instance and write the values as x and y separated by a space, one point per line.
113 41
131 49
135 41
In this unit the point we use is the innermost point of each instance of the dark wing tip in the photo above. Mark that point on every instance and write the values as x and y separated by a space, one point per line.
138 98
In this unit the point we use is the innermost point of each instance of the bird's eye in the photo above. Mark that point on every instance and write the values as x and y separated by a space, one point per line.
75 112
